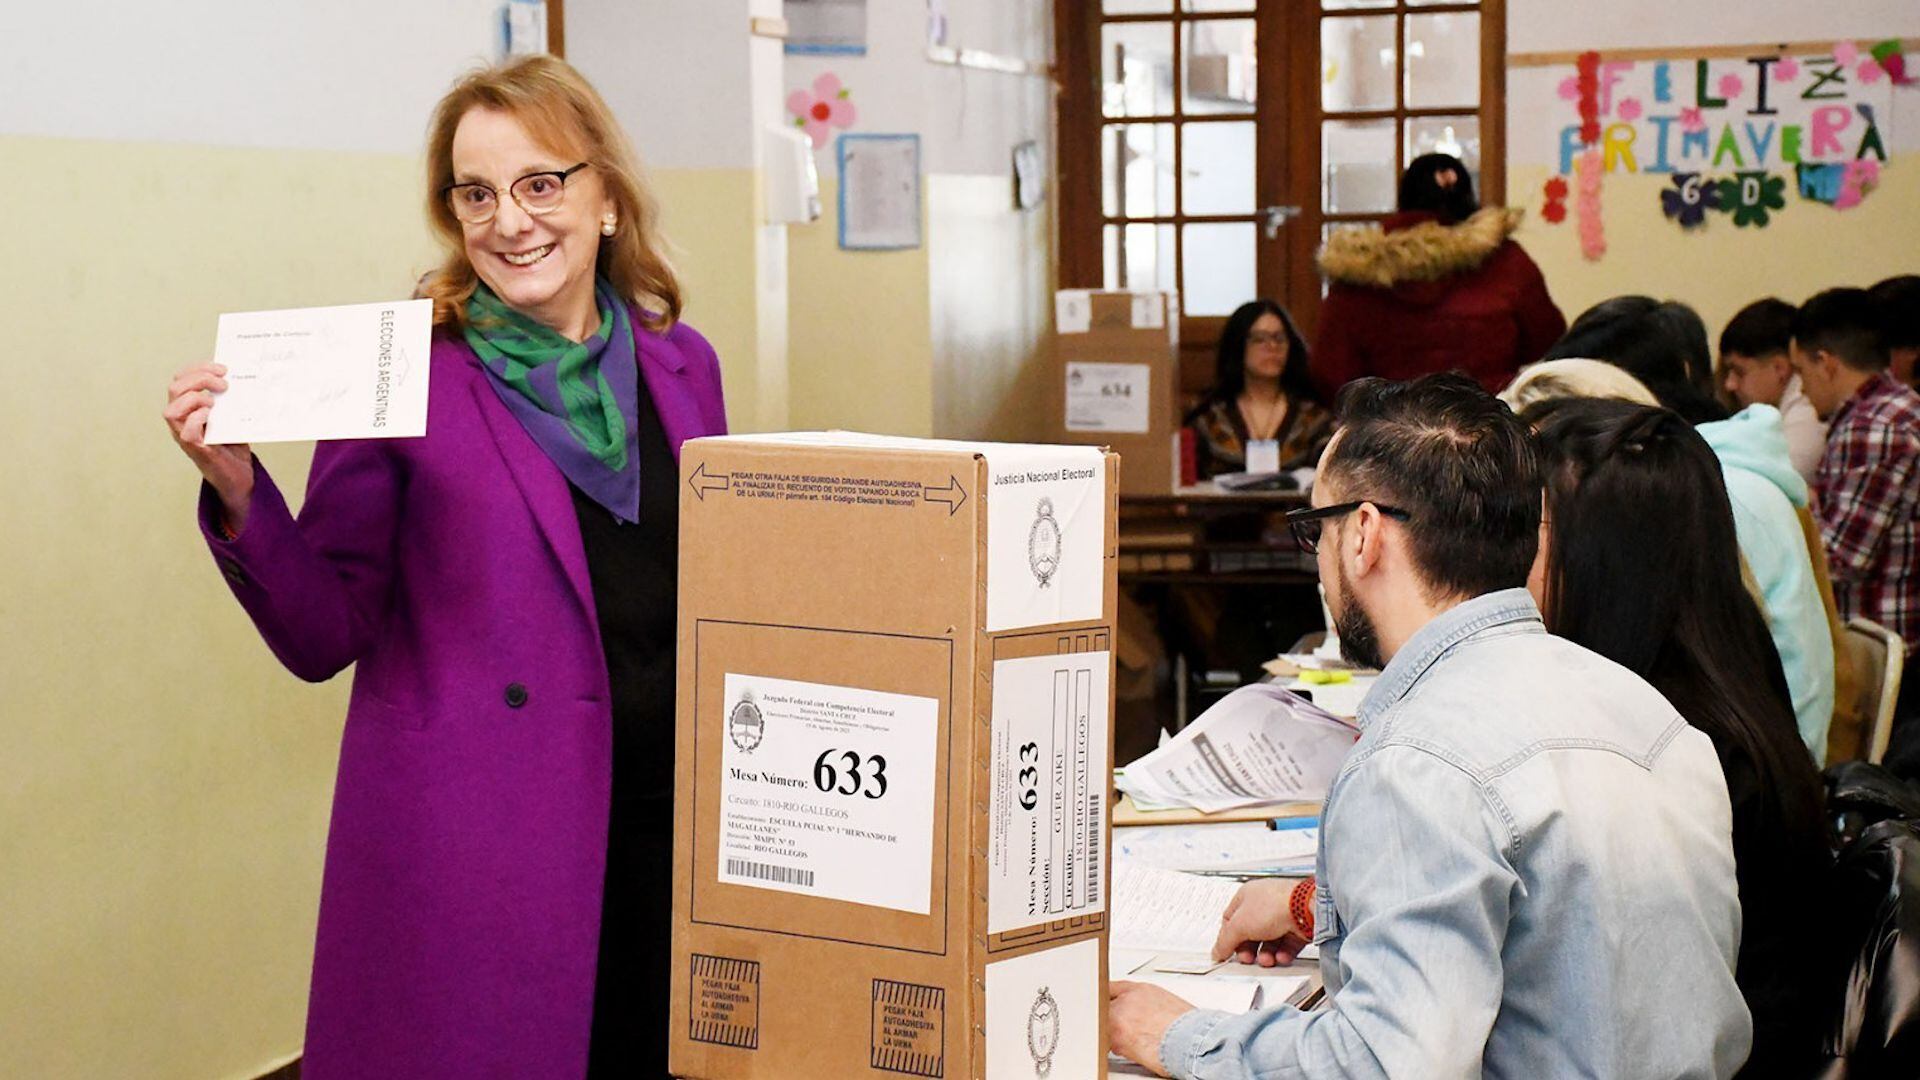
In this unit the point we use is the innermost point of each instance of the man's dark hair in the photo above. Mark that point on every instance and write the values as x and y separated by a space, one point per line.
1846 323
1459 462
1421 189
1760 329
1662 345
1899 300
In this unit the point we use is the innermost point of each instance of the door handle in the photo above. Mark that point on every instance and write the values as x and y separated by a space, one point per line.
1276 216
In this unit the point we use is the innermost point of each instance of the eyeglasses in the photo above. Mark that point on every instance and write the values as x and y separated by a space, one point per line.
536 193
1261 337
1306 521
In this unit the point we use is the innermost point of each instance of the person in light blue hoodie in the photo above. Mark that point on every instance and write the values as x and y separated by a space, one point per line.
1767 495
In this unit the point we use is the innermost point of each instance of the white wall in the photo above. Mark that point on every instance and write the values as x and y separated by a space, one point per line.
676 72
1555 25
968 120
340 75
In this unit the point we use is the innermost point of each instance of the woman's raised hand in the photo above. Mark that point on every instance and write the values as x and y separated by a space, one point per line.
229 469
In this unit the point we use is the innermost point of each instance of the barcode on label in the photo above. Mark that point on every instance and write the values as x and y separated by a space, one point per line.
1094 823
785 875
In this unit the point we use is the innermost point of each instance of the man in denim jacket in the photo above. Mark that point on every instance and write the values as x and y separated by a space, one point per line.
1526 867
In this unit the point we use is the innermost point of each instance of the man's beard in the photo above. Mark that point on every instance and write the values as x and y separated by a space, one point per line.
1359 641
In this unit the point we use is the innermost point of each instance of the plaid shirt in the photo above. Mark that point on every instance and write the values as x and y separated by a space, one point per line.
1867 497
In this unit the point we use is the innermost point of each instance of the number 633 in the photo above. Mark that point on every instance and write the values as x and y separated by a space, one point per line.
828 778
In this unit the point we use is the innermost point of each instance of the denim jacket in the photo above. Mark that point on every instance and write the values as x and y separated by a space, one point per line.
1525 870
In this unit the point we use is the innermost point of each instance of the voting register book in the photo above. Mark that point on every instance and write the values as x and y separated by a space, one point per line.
893 756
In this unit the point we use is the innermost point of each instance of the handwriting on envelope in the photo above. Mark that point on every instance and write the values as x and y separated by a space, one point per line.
357 371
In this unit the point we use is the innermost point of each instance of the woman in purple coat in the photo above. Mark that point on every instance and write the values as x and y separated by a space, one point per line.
497 897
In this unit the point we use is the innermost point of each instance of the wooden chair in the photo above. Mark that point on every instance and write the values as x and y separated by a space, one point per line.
1878 657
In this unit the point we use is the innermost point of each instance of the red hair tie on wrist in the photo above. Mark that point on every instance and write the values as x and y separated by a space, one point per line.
1300 906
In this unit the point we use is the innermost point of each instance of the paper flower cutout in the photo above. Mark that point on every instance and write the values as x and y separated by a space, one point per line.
1861 177
1689 199
1593 238
1554 210
1868 71
1889 56
1786 69
827 107
1748 196
1630 109
1570 88
1691 120
1732 86
1845 53
1588 83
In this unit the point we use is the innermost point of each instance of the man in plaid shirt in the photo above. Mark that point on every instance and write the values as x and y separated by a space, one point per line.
1867 490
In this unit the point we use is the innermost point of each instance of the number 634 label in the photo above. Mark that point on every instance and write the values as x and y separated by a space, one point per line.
828 791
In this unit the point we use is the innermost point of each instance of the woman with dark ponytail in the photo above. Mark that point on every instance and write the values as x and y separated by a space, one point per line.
1638 562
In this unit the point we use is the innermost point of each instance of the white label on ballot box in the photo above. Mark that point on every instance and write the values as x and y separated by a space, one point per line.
1108 397
1149 311
1072 311
828 791
1047 806
1046 534
1043 1014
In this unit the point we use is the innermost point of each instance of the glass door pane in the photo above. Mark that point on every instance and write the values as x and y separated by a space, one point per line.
1443 60
1220 67
1136 69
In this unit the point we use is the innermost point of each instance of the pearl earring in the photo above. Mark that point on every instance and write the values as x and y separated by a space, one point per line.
606 225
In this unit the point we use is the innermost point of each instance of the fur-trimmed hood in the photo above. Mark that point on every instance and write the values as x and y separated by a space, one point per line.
1422 253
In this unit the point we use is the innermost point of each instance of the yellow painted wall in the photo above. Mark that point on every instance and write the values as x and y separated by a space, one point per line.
1805 248
859 350
164 784
990 276
712 221
948 339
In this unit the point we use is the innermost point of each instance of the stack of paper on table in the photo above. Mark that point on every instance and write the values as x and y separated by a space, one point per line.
1259 744
1243 849
1164 925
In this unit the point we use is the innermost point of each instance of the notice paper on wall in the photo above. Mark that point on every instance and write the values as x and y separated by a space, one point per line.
828 791
357 371
1043 1014
1047 803
879 192
1046 534
1108 397
1259 744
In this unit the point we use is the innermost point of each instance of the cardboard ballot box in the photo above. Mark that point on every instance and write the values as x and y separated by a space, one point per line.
1117 381
893 757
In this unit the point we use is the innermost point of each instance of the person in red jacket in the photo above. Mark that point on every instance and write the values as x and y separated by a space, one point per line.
1441 286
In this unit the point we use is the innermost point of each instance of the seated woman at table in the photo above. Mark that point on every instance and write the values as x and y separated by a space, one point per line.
1260 392
1676 614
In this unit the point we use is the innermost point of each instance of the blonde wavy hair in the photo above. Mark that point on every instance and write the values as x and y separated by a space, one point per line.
563 113
1550 380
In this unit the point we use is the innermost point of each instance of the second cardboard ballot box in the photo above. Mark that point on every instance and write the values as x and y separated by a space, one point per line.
893 758
1117 382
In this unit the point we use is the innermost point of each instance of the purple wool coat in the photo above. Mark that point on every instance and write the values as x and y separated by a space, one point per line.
460 912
